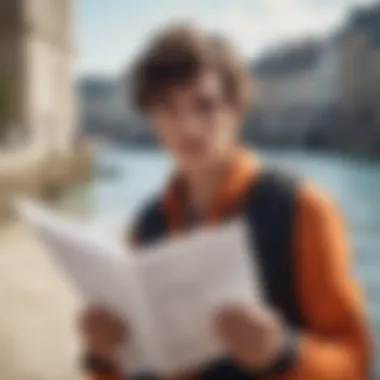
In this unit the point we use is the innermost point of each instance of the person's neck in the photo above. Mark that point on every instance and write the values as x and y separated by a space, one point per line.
204 182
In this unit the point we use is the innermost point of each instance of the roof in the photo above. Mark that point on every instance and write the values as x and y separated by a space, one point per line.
290 59
367 19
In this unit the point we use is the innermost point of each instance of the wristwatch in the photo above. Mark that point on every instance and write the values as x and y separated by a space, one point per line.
94 363
287 356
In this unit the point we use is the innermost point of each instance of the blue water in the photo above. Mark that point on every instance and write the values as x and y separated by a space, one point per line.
353 184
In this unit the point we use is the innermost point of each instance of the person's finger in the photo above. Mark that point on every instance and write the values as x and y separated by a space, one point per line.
233 317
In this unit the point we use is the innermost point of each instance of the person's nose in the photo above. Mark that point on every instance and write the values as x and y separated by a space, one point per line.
189 123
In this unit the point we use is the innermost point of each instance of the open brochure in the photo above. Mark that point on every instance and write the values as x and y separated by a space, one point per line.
168 292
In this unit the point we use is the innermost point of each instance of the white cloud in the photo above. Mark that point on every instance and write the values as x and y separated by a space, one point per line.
252 24
279 20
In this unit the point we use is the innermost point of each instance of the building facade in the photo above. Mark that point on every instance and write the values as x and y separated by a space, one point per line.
324 93
106 109
287 90
36 59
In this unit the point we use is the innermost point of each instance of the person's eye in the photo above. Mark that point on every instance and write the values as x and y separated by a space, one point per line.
165 106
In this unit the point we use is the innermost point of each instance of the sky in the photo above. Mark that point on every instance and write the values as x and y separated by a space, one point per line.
110 33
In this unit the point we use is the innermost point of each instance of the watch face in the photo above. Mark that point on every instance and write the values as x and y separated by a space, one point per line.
288 354
96 364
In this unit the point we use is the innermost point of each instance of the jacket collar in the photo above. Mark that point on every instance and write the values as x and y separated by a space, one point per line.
237 179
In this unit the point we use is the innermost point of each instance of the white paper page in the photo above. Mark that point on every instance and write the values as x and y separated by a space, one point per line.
101 270
186 281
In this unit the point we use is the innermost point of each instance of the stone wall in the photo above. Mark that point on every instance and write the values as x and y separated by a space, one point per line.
44 178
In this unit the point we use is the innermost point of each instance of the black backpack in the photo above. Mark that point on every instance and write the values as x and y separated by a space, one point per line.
269 208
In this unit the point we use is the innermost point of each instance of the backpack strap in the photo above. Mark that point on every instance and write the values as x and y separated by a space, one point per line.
268 207
151 223
270 211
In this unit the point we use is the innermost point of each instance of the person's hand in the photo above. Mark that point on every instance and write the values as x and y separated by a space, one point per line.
102 331
253 338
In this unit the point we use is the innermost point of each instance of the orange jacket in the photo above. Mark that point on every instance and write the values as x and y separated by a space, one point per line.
336 343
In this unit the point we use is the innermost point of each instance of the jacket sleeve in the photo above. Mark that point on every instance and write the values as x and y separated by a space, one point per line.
335 344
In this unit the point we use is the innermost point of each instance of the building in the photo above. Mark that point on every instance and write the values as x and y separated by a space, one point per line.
94 99
359 49
328 75
324 93
106 109
36 62
287 90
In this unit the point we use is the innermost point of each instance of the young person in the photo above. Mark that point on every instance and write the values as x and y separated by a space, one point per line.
195 90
